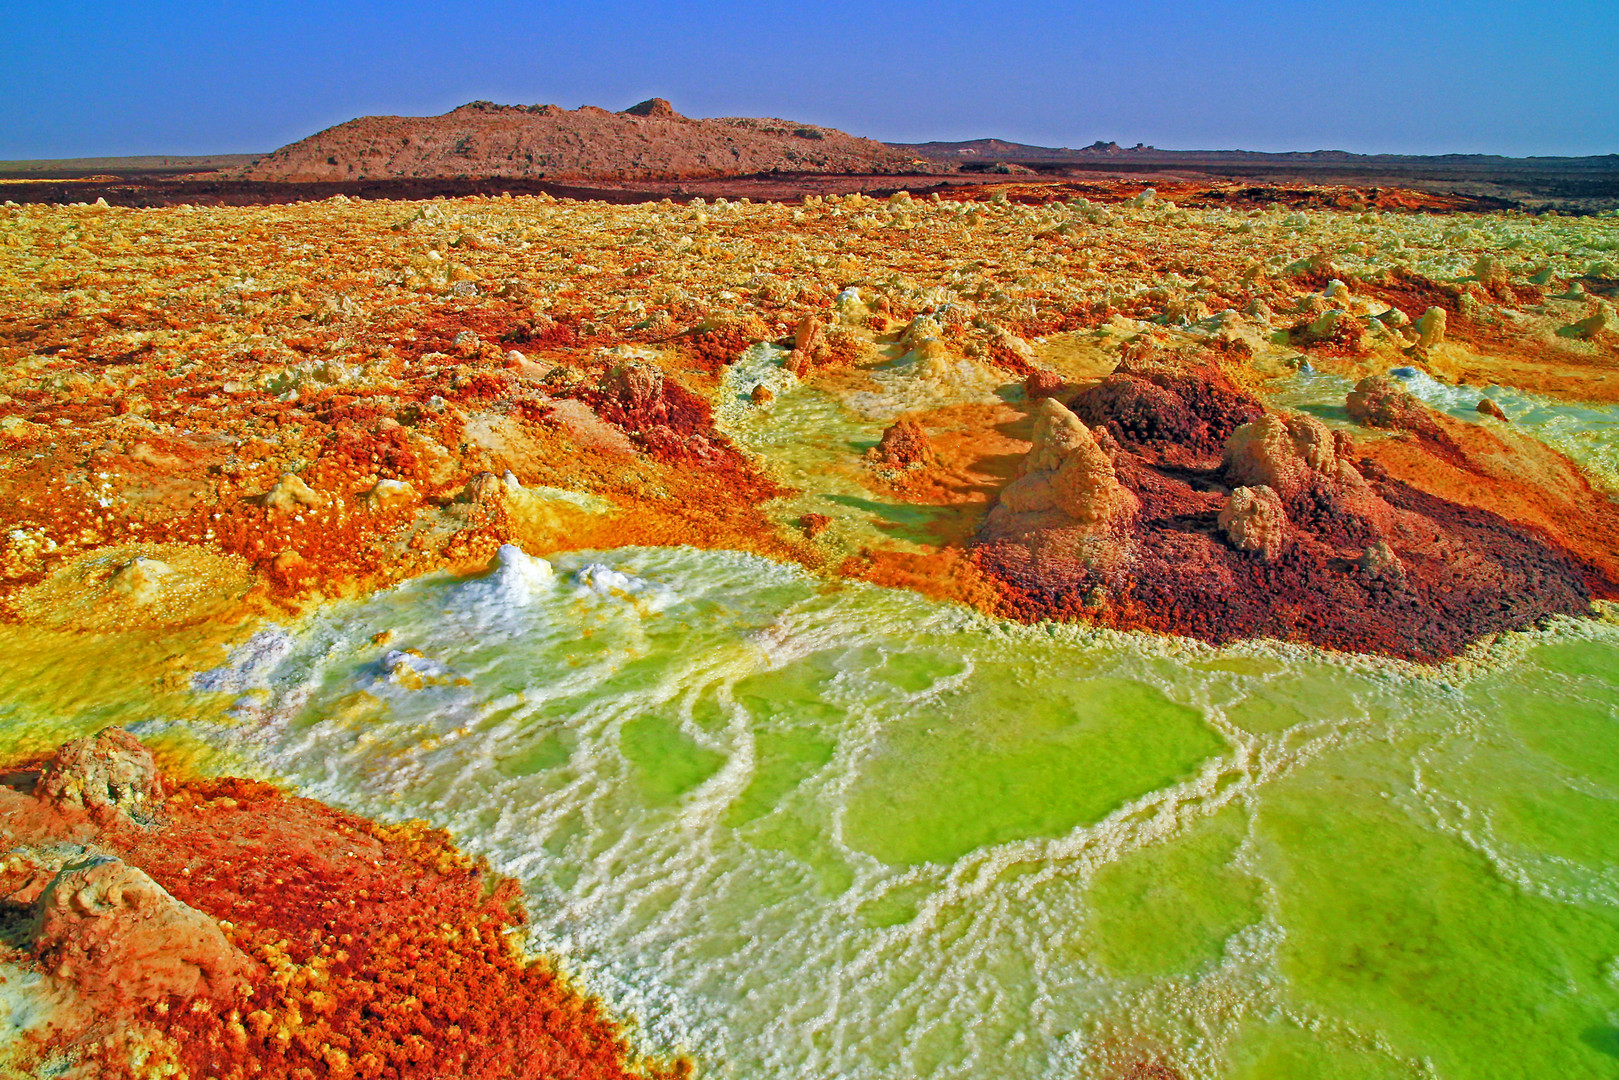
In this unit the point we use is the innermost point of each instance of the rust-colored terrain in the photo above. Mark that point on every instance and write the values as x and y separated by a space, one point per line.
209 415
220 928
1169 499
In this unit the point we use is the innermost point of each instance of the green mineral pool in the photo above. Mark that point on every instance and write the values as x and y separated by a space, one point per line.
809 830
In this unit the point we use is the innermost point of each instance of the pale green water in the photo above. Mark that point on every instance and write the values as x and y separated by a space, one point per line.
815 831
812 438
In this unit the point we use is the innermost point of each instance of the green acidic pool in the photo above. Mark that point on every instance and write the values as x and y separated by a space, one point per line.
813 831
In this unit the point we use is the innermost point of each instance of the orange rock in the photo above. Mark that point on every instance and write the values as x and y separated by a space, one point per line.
124 942
904 443
1253 520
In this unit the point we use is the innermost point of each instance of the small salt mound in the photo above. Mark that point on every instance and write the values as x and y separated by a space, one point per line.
412 670
141 579
603 580
514 581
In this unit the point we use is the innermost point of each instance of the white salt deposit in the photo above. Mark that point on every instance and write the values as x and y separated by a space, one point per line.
514 580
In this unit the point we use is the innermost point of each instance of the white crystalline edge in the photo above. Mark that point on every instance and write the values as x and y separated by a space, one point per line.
514 581
251 663
26 1004
657 968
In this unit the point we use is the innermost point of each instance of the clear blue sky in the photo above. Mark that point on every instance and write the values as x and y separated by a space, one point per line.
83 79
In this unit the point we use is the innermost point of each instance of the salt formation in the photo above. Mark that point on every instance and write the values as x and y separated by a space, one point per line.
125 942
1601 320
1066 473
1251 533
141 579
904 443
389 494
107 772
1380 401
514 581
1288 454
1430 327
291 494
242 932
1253 519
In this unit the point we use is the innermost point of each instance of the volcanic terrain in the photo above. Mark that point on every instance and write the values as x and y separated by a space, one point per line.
1051 402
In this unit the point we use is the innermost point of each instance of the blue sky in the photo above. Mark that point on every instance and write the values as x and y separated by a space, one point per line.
1415 77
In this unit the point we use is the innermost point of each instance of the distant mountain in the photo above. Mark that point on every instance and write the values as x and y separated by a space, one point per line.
649 141
1001 150
143 164
989 151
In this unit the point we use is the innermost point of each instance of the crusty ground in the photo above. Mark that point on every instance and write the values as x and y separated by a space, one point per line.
164 372
163 369
386 953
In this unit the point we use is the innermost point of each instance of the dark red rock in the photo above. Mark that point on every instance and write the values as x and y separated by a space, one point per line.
1177 415
662 416
1368 564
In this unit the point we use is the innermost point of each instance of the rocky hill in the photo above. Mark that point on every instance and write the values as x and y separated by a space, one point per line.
649 141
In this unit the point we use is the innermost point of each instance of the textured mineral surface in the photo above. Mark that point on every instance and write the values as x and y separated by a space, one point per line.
206 409
1352 424
229 930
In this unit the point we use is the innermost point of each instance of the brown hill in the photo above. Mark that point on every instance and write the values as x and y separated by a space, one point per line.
649 141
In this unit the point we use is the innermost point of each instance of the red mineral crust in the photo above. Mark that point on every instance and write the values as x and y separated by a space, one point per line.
232 931
1169 499
904 442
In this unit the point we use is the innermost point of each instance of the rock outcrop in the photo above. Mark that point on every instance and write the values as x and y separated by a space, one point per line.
141 579
660 414
291 495
1290 454
124 942
904 443
1187 507
243 933
1380 401
1067 478
1253 519
110 772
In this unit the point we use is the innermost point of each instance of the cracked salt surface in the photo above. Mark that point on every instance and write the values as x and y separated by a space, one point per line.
853 832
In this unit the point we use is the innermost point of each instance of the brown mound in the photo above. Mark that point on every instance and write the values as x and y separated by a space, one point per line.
658 107
1170 413
904 442
649 141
